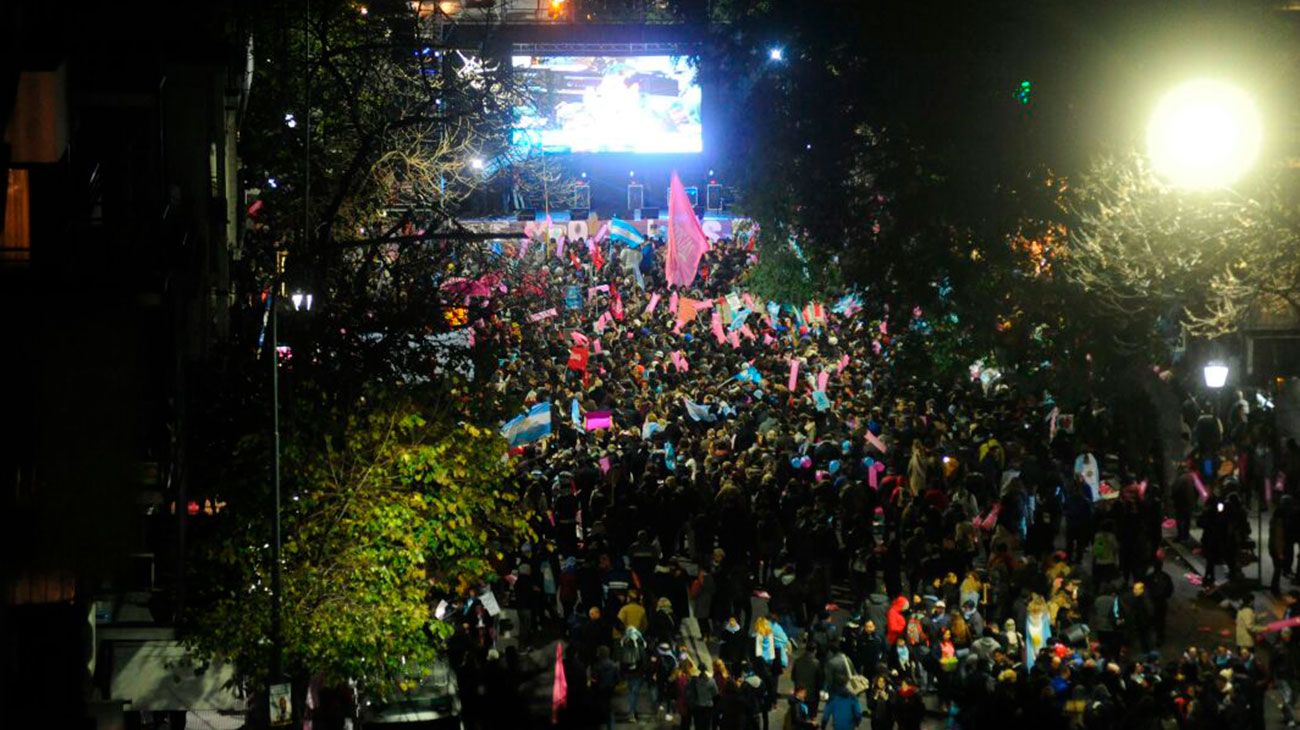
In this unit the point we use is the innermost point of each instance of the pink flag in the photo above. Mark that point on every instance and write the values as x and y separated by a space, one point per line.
594 290
794 376
822 378
686 239
715 324
703 304
749 301
875 441
560 688
604 464
600 235
873 473
672 302
679 361
654 302
844 362
595 347
544 314
578 337
559 247
768 339
1200 485
734 338
747 332
596 420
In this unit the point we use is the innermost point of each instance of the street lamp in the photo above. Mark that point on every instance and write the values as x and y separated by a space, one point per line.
1216 375
1204 134
776 54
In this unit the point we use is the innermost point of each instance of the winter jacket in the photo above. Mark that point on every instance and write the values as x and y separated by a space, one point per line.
842 713
895 622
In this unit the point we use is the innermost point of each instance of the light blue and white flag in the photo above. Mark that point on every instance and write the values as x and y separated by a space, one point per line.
699 411
670 456
623 232
575 414
534 426
749 375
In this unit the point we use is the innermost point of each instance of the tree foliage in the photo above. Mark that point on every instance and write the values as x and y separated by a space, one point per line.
1158 261
378 523
396 490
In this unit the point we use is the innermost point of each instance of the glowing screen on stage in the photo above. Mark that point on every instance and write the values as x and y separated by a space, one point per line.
639 104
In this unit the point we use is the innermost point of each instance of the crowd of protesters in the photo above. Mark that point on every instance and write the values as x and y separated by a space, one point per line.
963 551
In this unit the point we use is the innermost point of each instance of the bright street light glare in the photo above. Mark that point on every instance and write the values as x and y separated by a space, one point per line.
477 163
1216 375
776 54
1204 134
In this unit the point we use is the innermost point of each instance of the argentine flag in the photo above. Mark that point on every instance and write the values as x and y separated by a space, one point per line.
621 230
534 426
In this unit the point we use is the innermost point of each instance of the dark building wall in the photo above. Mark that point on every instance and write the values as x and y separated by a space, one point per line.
123 287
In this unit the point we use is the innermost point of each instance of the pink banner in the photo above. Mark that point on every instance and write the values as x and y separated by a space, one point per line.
654 302
822 379
844 362
593 291
794 376
747 332
734 338
595 346
539 316
672 302
679 361
686 239
579 338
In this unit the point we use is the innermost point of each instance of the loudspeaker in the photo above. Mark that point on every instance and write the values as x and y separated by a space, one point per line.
579 214
646 214
635 196
526 214
713 197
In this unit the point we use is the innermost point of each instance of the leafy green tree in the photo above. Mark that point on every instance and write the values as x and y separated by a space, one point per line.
379 521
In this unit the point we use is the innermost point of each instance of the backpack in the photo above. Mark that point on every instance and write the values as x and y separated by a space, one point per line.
631 651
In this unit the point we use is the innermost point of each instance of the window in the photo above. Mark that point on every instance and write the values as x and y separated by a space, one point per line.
17 241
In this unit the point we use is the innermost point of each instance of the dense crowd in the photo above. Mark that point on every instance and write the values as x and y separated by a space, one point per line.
968 551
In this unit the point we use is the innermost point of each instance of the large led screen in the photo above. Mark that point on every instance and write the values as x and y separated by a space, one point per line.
639 104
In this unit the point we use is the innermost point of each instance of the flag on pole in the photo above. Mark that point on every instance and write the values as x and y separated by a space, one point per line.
686 239
533 426
623 232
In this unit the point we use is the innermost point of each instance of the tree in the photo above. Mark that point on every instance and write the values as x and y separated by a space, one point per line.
361 139
395 512
1160 262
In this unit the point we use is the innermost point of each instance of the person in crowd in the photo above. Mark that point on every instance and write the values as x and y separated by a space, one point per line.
762 457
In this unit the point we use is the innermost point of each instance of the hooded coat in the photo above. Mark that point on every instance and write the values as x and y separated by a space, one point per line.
895 621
